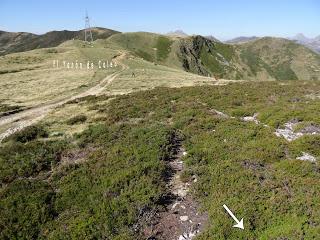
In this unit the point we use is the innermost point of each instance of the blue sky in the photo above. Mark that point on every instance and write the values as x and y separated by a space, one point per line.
223 19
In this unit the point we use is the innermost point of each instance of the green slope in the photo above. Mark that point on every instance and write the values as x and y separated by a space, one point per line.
149 46
280 59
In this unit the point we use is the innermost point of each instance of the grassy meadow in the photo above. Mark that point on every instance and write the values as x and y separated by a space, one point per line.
28 79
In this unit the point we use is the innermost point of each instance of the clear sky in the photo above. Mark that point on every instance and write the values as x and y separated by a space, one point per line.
223 19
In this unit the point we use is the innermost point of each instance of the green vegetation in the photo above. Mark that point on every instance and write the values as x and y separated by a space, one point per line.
77 119
28 160
25 206
141 44
4 108
99 183
211 63
310 144
145 55
163 48
284 72
52 50
99 199
280 71
28 134
225 50
251 59
278 59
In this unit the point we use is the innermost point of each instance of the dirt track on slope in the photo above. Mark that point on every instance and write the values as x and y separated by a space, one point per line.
180 218
31 116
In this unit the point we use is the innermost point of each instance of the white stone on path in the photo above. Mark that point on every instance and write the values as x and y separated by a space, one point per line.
184 218
307 157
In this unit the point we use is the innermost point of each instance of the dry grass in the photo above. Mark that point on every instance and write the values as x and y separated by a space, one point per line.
149 76
57 120
30 88
29 78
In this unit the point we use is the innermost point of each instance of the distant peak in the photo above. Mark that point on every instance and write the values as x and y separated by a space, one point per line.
242 39
177 33
300 37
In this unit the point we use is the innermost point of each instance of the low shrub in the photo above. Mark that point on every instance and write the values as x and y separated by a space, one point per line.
77 119
28 134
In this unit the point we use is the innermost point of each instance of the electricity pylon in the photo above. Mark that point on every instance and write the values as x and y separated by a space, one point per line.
87 30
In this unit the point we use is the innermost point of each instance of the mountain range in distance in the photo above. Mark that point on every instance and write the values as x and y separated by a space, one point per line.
312 43
265 58
241 39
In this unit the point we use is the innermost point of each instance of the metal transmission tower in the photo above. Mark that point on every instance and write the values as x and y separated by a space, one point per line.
87 30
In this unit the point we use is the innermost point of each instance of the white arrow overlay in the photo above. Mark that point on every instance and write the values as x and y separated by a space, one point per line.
239 223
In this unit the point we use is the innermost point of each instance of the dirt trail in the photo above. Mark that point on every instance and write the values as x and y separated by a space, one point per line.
31 116
180 218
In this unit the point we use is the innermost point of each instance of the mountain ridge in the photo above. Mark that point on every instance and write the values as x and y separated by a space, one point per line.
241 39
11 42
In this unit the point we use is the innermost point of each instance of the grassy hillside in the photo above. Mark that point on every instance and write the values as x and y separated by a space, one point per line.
102 181
260 59
197 54
152 47
280 59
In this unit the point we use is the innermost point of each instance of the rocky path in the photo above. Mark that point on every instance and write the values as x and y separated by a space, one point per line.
180 218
